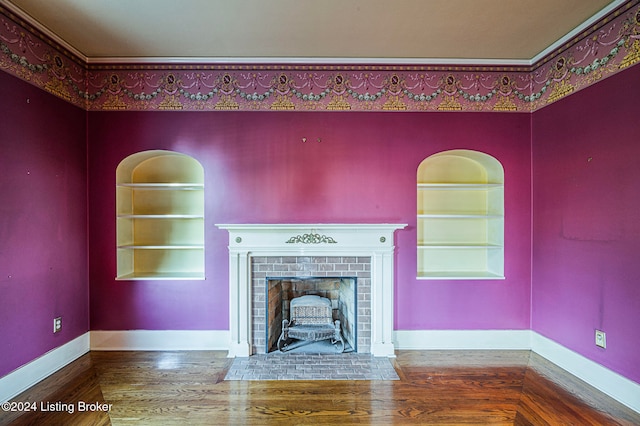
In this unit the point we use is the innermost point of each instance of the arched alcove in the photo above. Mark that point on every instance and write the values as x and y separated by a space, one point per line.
160 216
460 216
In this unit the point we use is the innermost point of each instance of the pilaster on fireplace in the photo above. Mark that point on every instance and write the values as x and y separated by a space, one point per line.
328 241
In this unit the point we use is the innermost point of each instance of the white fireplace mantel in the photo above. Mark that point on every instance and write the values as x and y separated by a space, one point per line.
320 239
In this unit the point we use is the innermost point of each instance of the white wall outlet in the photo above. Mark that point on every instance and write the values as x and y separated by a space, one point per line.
57 324
601 339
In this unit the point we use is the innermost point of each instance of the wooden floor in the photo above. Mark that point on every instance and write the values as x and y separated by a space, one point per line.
435 388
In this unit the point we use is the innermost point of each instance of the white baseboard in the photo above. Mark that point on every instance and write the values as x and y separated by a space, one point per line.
613 384
160 340
609 382
462 339
40 368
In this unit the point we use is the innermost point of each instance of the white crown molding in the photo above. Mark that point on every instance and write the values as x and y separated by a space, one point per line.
580 28
313 60
309 61
46 31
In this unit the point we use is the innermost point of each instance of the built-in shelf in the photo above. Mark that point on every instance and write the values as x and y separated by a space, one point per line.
460 275
164 186
451 245
459 186
460 216
162 247
160 217
162 276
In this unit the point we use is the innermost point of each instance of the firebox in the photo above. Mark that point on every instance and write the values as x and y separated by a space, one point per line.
341 292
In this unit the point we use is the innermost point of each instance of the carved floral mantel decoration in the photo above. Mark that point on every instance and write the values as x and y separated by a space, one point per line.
311 238
604 50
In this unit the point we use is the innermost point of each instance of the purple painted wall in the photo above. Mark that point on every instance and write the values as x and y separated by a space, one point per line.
43 225
586 204
258 170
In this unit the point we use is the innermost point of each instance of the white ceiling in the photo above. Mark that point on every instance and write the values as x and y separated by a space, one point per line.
328 31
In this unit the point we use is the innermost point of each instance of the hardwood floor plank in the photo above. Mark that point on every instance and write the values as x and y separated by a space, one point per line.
61 397
435 388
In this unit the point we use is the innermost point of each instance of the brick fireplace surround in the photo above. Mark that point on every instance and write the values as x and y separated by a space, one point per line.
292 269
257 251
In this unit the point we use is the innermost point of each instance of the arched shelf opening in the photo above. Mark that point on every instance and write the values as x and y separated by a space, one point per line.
160 217
460 216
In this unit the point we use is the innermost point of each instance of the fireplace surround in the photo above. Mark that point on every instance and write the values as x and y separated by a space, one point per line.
257 251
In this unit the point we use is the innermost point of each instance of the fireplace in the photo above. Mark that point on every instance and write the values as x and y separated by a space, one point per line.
361 251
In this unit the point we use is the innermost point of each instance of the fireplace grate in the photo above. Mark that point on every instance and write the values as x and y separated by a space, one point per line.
311 321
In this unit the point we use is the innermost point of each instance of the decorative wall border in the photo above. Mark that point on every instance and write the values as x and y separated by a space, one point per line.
599 52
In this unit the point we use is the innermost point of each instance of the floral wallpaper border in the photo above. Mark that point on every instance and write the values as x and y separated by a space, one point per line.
605 49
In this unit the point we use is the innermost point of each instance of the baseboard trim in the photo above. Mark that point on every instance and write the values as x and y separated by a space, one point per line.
462 339
160 340
613 384
42 367
623 390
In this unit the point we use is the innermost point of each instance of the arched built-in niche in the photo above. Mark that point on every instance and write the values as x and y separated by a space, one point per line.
160 216
460 216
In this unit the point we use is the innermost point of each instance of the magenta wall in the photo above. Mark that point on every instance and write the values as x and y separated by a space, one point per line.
586 243
258 170
43 226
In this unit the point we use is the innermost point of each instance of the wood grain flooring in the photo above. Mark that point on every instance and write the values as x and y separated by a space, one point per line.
435 388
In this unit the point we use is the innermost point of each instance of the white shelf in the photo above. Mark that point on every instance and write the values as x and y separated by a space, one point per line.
163 186
459 186
458 245
459 216
162 247
160 216
459 275
157 276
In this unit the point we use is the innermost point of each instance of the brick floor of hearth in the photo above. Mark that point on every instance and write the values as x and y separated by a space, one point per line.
310 366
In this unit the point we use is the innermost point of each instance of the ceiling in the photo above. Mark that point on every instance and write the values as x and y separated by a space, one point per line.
327 31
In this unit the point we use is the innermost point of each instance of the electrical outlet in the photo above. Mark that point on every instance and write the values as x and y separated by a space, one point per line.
57 324
601 339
